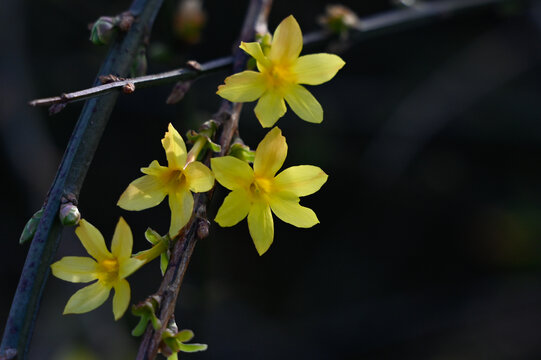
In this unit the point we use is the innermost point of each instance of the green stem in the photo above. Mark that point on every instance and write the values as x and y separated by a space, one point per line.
68 180
196 149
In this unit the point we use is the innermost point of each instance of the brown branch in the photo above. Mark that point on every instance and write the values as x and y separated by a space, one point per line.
227 117
186 73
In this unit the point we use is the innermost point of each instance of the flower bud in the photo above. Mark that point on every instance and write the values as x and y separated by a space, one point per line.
190 20
103 30
339 19
69 214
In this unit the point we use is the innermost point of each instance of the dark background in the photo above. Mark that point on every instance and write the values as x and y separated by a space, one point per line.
429 245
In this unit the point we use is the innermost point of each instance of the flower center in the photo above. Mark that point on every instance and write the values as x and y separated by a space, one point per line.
108 270
176 179
278 77
260 188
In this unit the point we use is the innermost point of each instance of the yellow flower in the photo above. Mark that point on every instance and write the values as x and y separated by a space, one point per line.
255 192
177 180
281 73
110 269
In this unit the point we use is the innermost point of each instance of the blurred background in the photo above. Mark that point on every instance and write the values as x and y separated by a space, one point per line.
429 245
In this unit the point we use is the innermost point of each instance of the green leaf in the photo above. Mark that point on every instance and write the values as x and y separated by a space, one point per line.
152 236
171 342
213 146
192 136
185 335
141 326
192 347
30 227
164 261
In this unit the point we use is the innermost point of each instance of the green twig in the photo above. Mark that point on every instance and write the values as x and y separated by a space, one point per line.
68 180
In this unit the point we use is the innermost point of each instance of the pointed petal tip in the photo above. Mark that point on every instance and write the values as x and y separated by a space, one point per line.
290 18
262 251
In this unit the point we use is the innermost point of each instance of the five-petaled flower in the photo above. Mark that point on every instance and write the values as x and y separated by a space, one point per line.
281 73
109 268
177 180
256 191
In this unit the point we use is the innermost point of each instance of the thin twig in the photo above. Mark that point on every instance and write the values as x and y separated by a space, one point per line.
69 179
227 117
187 73
366 27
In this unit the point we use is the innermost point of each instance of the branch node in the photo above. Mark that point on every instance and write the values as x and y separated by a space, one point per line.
128 88
110 78
125 20
203 228
194 65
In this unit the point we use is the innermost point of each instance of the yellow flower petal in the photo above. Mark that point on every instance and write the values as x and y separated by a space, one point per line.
270 154
175 149
198 177
261 226
143 193
316 69
181 204
75 269
286 207
287 41
235 208
242 87
231 172
87 299
129 266
255 51
270 108
121 299
154 169
304 104
92 240
122 243
301 180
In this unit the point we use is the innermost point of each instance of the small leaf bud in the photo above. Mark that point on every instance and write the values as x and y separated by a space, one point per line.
30 227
